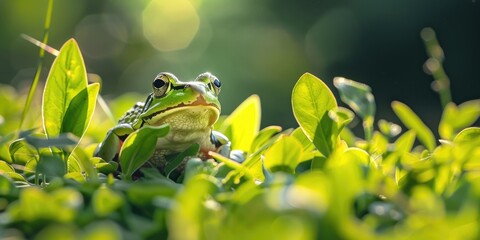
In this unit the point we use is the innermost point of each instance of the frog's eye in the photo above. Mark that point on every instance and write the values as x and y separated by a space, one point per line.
216 85
160 86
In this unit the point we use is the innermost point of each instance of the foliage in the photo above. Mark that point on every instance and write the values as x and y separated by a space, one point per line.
316 181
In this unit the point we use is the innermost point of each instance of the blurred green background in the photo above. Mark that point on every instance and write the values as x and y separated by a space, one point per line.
255 47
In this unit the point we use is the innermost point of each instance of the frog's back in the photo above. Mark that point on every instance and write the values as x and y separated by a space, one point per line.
132 114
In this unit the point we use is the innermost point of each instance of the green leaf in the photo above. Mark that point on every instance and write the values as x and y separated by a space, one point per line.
469 135
6 187
67 102
412 121
106 201
388 128
62 140
356 95
405 142
263 136
311 102
455 118
21 152
172 165
5 167
360 98
139 147
51 166
86 166
284 155
243 124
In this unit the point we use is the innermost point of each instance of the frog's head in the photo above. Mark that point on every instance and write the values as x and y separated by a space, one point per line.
184 105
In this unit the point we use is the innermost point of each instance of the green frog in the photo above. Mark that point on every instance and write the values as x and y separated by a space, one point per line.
190 108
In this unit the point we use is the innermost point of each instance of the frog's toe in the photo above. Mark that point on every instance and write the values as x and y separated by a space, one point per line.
237 156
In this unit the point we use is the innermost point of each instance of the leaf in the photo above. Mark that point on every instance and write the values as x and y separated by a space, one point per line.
468 135
62 140
284 155
139 147
405 142
106 201
412 121
172 165
67 102
311 102
243 124
5 167
458 117
388 128
356 95
81 108
51 166
83 160
21 152
263 136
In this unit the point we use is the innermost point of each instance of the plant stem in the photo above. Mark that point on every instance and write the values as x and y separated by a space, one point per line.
41 53
433 65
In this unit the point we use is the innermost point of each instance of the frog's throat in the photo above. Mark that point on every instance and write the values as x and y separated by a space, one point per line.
189 118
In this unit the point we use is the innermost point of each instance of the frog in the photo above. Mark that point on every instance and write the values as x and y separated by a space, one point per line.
190 108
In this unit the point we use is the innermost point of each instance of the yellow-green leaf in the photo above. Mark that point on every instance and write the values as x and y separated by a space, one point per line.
311 102
67 102
455 118
412 121
243 124
283 155
139 147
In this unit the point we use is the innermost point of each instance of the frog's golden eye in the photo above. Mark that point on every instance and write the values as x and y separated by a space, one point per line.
160 86
216 85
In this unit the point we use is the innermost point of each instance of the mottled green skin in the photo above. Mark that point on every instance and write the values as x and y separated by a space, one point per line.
190 108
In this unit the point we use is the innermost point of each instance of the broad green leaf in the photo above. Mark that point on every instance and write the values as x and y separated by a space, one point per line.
106 201
412 121
21 152
190 208
388 128
470 135
81 108
67 102
405 142
172 165
86 166
311 102
6 187
63 140
378 145
5 167
243 124
144 193
341 116
455 118
284 155
253 162
263 136
356 95
360 98
139 147
309 150
51 166
105 230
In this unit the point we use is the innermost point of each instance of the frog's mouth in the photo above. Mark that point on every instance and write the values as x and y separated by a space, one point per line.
192 116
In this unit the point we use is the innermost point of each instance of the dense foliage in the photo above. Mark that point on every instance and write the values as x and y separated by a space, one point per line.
316 181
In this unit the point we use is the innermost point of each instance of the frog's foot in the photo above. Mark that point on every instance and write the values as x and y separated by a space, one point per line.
237 156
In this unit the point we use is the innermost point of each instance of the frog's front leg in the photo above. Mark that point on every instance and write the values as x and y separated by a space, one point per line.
225 147
109 148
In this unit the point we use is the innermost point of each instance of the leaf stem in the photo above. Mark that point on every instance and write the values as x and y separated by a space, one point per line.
41 54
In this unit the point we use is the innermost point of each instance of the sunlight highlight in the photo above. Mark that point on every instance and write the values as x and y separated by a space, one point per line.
170 25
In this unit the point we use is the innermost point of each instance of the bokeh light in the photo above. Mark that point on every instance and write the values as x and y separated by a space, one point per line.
170 25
